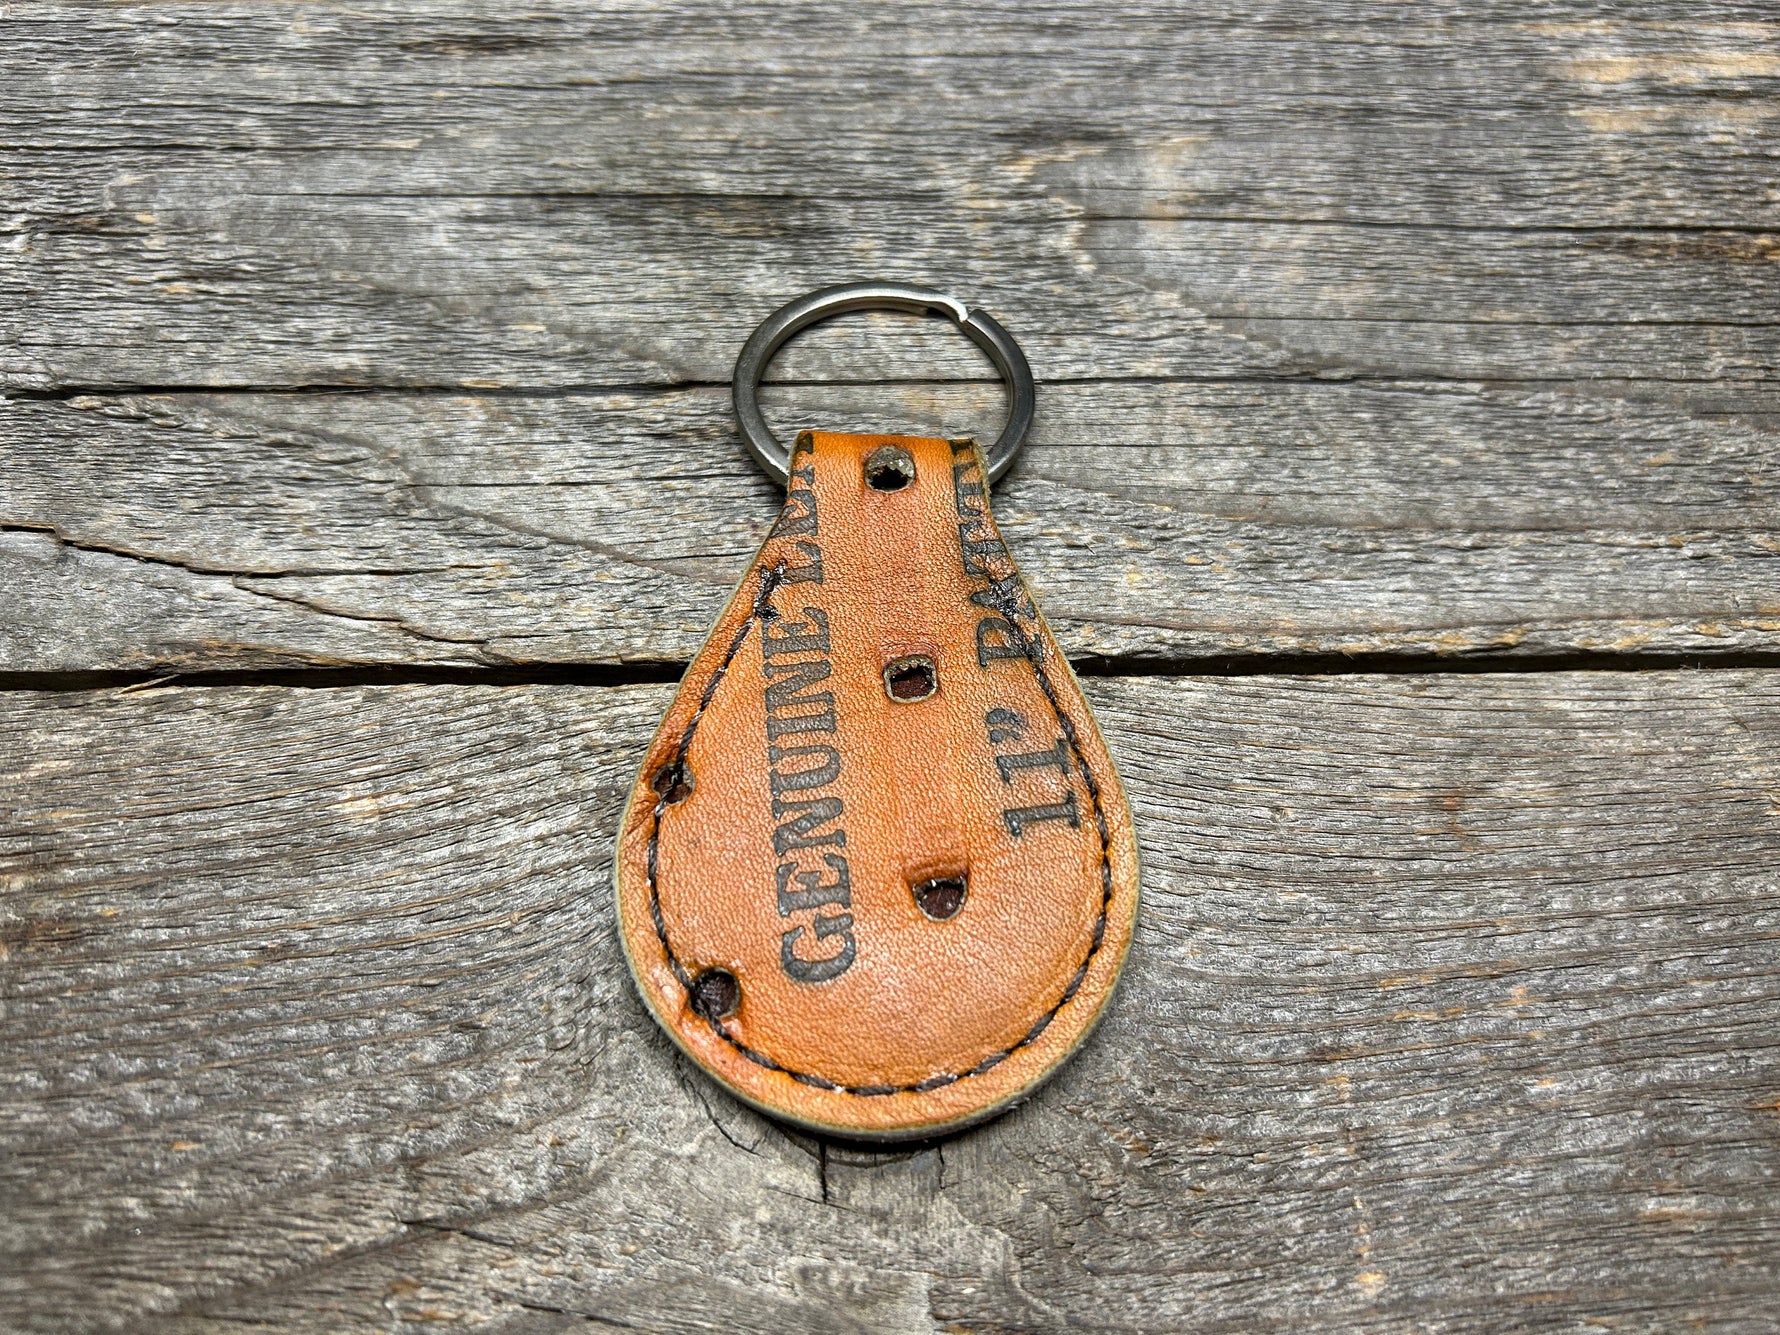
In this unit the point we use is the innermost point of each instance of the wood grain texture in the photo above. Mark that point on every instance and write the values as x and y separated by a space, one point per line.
446 192
1452 1007
1362 329
396 336
1180 522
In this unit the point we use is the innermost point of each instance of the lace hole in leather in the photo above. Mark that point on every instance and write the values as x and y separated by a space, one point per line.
889 468
672 782
715 994
907 680
942 897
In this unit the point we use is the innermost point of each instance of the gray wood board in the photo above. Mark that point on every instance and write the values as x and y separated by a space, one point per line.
1165 522
1453 1006
1363 329
498 194
1389 330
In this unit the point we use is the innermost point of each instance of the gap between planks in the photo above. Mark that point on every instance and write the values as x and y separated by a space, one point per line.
649 672
1381 380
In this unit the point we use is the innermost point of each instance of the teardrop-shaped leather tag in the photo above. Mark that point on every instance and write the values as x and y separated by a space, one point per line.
877 875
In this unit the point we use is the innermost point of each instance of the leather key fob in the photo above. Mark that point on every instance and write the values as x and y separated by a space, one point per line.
877 875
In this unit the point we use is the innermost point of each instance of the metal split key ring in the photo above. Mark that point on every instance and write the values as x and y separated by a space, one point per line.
978 326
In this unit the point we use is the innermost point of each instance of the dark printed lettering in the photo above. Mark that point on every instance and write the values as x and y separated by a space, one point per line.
973 550
819 970
1005 725
1010 644
1000 636
823 772
1019 818
1006 596
800 830
966 494
812 891
782 695
796 637
1057 755
802 518
798 723
809 573
794 707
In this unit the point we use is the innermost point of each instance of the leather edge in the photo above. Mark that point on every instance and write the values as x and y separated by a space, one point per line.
926 1131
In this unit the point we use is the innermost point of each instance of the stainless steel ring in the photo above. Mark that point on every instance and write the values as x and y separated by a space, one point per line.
978 326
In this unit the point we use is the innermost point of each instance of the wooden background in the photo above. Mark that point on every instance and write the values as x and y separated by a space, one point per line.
1404 486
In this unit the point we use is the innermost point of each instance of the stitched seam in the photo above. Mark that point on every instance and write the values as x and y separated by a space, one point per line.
769 580
1031 648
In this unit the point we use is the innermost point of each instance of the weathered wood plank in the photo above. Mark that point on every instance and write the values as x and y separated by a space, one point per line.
1364 329
455 194
1453 1007
1533 243
1181 521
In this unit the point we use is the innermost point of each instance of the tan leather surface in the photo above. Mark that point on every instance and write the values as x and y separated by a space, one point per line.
818 802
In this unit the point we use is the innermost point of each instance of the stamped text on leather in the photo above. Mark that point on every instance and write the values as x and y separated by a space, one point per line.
877 874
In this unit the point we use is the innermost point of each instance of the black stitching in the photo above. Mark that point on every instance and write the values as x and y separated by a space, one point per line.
769 580
1008 606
